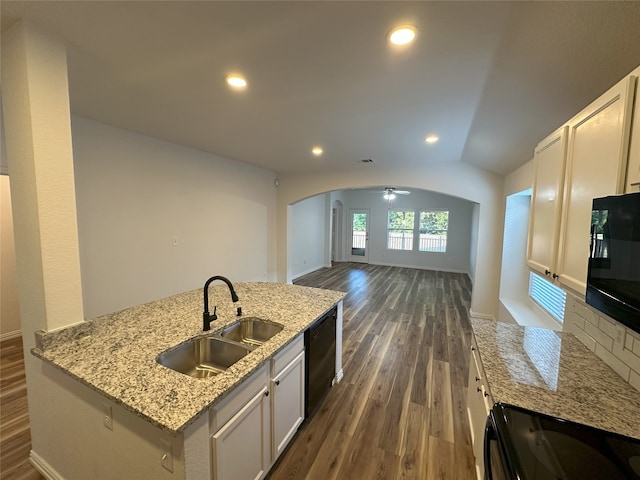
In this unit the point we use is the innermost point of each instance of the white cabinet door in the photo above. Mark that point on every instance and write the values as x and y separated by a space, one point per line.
241 446
596 167
479 404
546 202
633 171
288 404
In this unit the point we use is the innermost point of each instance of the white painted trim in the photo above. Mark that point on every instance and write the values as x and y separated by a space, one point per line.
311 270
43 467
418 267
10 335
486 316
338 377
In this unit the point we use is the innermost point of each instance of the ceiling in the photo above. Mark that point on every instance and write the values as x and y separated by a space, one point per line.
491 79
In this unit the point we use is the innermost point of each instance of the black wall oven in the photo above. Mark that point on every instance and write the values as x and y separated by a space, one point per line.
613 278
521 444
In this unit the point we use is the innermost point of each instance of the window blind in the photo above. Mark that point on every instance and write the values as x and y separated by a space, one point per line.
548 296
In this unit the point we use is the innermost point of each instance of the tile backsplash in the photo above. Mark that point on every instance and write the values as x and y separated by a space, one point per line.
615 344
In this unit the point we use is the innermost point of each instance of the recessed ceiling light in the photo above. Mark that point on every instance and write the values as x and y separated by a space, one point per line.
432 139
402 35
236 81
317 151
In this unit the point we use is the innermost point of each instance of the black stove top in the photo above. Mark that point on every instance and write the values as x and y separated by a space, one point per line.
541 447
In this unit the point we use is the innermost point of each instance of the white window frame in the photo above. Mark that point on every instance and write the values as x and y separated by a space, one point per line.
405 237
437 249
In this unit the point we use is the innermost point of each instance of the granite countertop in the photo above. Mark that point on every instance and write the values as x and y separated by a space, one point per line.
554 373
115 354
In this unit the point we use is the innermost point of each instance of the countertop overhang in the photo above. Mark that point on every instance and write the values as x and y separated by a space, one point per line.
116 354
554 373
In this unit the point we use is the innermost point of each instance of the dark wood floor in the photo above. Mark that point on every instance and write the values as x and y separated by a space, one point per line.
15 437
400 411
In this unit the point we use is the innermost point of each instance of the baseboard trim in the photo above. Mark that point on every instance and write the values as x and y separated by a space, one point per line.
10 335
420 267
486 316
307 272
43 467
338 377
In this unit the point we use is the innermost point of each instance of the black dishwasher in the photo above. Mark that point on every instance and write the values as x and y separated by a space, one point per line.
320 364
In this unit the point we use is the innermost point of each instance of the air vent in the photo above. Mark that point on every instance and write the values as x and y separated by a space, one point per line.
366 160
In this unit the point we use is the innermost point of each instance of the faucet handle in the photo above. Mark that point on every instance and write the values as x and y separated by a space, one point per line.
214 316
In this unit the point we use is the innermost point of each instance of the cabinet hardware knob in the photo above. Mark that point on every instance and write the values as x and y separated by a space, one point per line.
547 272
486 394
478 389
277 382
473 349
266 394
555 275
477 379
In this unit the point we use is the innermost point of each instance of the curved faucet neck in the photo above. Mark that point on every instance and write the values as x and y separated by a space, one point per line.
234 296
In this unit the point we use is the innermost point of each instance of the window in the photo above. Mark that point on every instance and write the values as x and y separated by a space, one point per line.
548 296
400 230
434 225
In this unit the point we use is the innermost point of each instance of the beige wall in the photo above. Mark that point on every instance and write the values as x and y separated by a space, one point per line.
9 308
138 194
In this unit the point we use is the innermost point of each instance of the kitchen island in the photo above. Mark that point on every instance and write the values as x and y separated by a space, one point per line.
142 405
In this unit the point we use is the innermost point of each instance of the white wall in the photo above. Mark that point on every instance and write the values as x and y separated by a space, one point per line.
9 305
136 194
458 179
309 235
518 180
457 256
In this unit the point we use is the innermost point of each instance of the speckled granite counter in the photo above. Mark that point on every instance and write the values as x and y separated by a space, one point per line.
115 354
554 373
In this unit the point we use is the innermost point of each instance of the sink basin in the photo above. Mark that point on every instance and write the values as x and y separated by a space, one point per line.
251 331
203 357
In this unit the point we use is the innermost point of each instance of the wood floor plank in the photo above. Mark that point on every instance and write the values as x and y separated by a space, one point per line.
15 435
441 420
420 327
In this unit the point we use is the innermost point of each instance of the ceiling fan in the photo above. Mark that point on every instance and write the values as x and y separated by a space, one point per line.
389 193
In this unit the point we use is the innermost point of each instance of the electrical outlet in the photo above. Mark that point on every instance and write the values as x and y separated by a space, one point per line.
108 416
166 459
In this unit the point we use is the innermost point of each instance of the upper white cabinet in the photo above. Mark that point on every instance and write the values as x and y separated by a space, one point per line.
583 160
633 171
546 202
596 166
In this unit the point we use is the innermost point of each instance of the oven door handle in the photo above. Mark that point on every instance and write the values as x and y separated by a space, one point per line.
489 435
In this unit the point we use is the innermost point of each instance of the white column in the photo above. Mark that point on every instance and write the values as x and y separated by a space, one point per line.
35 98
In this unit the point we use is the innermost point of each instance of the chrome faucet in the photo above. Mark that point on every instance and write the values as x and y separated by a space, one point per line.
206 318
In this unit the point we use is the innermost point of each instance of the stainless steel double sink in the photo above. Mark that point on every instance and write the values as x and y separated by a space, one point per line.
206 356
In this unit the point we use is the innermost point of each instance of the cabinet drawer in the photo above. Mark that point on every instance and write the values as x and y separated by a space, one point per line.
286 355
238 398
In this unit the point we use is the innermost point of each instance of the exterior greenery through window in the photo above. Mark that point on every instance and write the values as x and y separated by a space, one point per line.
400 229
434 225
